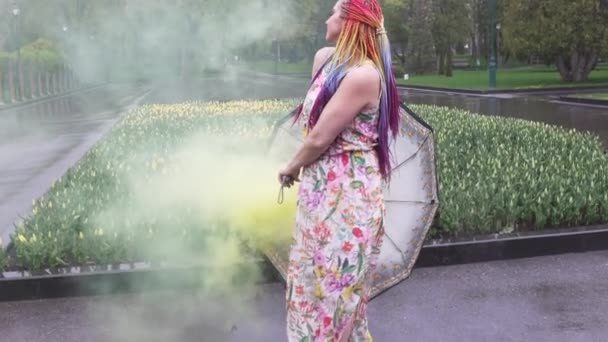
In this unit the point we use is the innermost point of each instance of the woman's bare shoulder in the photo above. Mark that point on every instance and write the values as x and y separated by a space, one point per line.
322 55
363 81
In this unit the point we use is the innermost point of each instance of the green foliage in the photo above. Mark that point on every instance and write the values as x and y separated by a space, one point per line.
397 21
448 29
501 175
572 34
3 257
40 53
43 54
421 57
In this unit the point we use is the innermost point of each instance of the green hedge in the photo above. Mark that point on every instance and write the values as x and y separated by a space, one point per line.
41 53
497 175
3 257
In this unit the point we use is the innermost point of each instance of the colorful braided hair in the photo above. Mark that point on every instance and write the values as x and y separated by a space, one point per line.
362 38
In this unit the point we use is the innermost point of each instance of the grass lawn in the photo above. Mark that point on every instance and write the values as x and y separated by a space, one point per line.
520 78
596 96
301 68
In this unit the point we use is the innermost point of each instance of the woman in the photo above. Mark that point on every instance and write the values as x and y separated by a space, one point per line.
350 107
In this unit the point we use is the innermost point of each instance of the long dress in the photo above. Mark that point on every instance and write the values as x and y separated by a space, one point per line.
337 236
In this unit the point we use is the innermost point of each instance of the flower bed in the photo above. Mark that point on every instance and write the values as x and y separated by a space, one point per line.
499 175
496 175
3 256
99 211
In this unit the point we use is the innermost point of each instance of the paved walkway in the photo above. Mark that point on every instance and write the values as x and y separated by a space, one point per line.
39 142
556 298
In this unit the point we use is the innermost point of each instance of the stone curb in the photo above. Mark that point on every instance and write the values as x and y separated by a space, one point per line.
577 240
136 280
150 279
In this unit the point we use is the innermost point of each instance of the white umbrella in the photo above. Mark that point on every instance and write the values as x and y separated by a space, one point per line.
411 199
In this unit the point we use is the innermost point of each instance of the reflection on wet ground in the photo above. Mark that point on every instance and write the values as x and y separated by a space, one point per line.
542 109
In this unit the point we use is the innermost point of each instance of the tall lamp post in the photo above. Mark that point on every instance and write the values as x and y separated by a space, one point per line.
492 62
16 11
276 52
66 77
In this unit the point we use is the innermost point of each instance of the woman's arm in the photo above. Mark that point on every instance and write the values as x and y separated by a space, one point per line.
358 89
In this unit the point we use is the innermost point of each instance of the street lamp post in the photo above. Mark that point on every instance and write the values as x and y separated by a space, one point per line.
275 48
16 12
65 53
492 62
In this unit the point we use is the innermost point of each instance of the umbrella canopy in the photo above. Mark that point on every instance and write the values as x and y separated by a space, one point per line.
411 198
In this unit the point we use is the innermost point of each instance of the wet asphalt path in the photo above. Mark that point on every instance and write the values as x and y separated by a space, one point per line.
553 299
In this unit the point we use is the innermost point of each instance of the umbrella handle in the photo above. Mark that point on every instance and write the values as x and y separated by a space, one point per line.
284 181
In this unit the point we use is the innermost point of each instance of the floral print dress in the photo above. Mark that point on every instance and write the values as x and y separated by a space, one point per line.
337 237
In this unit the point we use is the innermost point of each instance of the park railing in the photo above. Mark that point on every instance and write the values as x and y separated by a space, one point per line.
21 82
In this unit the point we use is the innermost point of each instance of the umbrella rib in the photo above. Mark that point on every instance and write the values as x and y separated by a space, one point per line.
415 153
394 244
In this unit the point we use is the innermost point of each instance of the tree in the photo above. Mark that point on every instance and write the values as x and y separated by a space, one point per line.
398 25
447 29
571 34
421 50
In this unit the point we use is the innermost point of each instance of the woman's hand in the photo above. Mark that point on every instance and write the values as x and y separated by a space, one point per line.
288 175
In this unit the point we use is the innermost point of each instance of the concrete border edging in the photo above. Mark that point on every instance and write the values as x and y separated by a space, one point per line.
149 279
143 279
576 240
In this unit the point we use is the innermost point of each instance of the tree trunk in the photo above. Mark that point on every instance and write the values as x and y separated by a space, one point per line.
11 82
40 92
583 68
507 57
32 83
564 69
577 66
448 63
1 90
47 81
441 66
474 49
21 82
55 81
182 62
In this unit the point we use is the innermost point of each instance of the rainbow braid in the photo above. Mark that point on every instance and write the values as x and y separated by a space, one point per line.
363 38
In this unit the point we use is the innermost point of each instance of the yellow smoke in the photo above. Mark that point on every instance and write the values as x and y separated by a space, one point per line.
223 184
